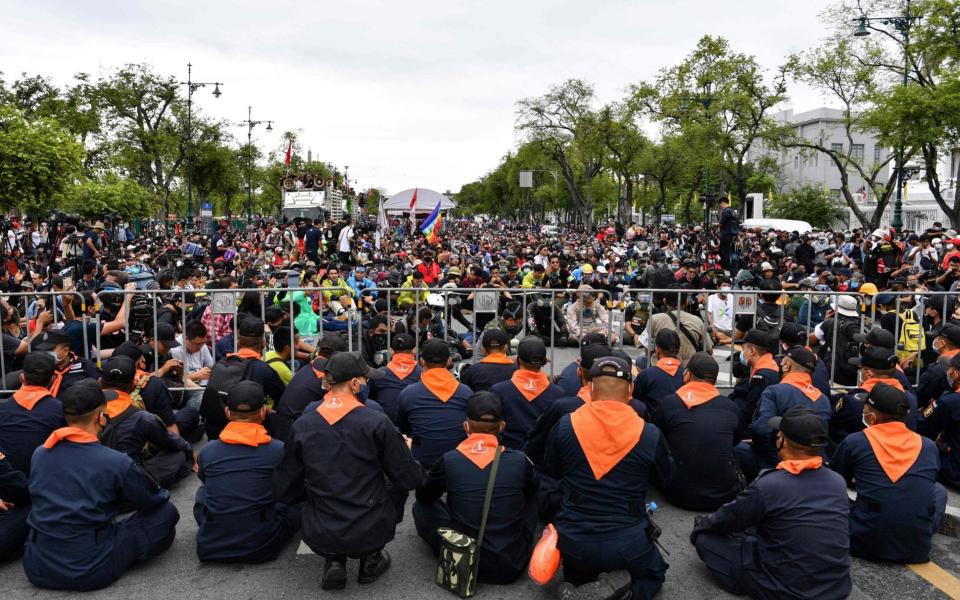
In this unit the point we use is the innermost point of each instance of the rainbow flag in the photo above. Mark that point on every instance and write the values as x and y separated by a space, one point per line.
431 225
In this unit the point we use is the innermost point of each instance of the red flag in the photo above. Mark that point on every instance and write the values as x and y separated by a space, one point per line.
413 212
286 159
413 199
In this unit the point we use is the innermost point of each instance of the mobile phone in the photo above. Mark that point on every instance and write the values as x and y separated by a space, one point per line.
67 282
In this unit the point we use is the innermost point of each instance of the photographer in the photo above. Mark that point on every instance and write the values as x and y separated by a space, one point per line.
93 242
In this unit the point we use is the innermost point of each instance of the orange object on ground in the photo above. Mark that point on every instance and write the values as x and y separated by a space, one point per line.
545 559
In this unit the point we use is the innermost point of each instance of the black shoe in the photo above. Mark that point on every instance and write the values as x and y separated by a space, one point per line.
334 575
373 566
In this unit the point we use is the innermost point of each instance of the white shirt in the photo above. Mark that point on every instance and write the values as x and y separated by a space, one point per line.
193 361
721 311
343 242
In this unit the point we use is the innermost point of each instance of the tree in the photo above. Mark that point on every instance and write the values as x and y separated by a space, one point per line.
808 203
217 173
38 161
661 165
564 124
96 197
626 144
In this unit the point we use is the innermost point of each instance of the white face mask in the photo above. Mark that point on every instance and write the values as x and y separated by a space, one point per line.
725 288
864 419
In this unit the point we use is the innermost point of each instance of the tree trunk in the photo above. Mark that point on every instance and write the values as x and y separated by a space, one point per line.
930 159
625 207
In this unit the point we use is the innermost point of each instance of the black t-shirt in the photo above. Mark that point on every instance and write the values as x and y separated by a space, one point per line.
90 235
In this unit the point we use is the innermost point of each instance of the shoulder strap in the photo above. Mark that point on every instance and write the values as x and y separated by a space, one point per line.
683 330
275 359
106 436
486 504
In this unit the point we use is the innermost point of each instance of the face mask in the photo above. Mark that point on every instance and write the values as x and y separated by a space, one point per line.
864 420
743 360
725 288
380 341
952 381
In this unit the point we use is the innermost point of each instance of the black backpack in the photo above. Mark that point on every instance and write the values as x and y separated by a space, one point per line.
847 347
224 375
108 436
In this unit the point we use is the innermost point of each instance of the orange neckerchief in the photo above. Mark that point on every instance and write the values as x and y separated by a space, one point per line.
71 434
867 385
29 395
766 362
402 364
141 375
948 354
804 383
696 393
58 377
606 431
895 447
246 434
585 394
496 358
530 383
440 382
668 365
795 466
118 405
479 448
246 353
333 408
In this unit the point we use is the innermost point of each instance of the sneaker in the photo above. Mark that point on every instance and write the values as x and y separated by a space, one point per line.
373 566
334 575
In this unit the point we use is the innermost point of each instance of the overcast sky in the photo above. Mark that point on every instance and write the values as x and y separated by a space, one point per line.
408 94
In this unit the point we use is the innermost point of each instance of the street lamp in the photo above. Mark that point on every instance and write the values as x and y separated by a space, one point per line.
902 24
250 125
193 86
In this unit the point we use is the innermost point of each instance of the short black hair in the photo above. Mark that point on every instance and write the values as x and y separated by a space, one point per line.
195 329
281 338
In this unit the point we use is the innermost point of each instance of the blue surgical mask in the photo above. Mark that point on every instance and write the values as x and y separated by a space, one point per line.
743 360
864 420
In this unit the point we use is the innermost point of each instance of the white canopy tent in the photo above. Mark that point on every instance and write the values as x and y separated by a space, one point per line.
426 201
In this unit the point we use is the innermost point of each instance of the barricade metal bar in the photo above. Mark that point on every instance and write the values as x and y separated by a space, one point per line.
156 353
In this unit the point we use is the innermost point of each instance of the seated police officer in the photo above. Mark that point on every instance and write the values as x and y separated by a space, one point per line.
665 376
401 371
879 337
77 487
493 368
463 474
899 503
755 371
605 456
14 509
305 387
237 517
794 335
346 461
941 422
701 427
28 419
528 393
787 534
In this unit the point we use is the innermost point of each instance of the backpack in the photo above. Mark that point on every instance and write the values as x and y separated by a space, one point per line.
108 436
912 337
847 347
224 375
196 313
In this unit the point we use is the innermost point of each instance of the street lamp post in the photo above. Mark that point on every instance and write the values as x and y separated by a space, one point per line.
250 125
193 86
902 24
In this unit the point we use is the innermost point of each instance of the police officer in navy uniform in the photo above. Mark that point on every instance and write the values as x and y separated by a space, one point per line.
152 392
755 371
933 380
14 509
462 475
528 393
432 410
795 389
401 371
879 337
130 429
70 368
899 503
941 422
77 487
729 224
305 387
238 519
701 427
605 456
787 535
665 376
32 414
793 335
569 379
493 368
339 460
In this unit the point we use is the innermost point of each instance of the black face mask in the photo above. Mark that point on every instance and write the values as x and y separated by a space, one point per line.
379 341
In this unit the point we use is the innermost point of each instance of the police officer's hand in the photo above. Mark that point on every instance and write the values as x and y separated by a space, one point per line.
5 506
408 441
196 465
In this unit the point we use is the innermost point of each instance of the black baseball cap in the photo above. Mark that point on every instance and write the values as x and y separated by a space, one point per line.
793 334
435 352
130 350
532 351
951 333
703 366
668 340
757 338
877 336
955 361
593 338
403 342
344 366
82 397
802 357
168 335
484 407
591 353
246 396
251 327
888 400
39 366
611 366
119 371
875 357
494 338
330 343
801 426
51 339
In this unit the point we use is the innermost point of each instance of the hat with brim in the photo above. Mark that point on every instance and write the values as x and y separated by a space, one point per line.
845 305
98 225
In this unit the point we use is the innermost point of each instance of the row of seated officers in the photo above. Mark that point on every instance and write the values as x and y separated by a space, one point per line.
338 455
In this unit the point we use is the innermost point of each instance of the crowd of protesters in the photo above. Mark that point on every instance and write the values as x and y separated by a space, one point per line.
117 363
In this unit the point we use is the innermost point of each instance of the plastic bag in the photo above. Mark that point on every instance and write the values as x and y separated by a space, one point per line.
545 559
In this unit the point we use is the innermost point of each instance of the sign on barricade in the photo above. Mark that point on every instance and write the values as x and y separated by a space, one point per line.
486 302
223 303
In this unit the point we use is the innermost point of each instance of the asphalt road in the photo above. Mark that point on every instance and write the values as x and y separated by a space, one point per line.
296 573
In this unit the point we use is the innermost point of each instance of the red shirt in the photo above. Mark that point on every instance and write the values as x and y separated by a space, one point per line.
430 272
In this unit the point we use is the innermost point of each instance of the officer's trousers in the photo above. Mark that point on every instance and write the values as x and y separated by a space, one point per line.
583 561
167 467
728 557
136 539
13 531
493 569
213 545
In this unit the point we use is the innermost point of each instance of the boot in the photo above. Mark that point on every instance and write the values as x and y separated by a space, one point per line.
373 566
334 574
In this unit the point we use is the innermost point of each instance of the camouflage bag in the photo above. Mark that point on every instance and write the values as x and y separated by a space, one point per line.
460 553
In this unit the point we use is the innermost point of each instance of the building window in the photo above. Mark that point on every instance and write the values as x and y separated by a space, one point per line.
876 154
796 162
856 152
836 147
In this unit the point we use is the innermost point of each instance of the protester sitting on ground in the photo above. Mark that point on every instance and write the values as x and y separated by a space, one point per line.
279 357
691 329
